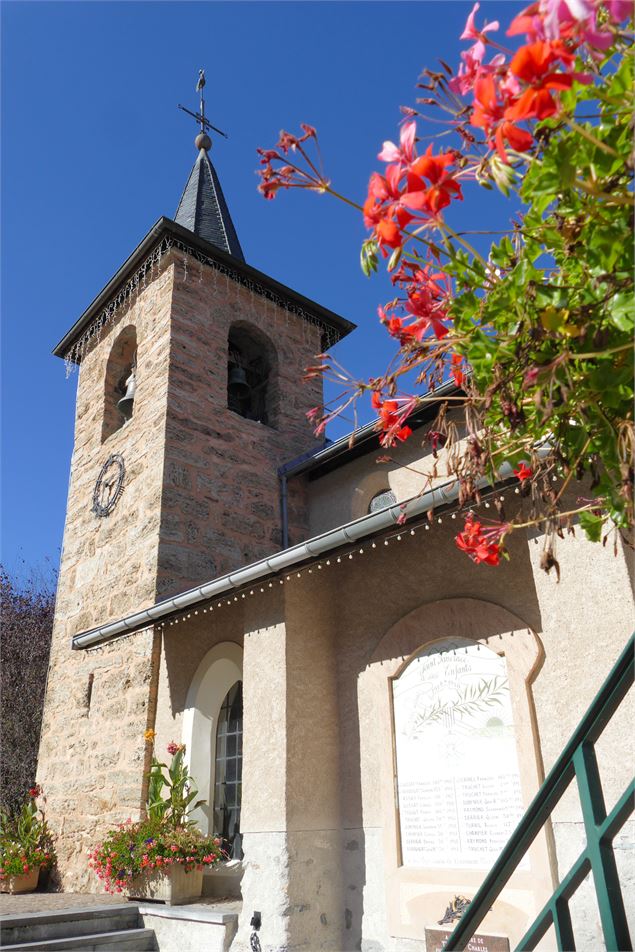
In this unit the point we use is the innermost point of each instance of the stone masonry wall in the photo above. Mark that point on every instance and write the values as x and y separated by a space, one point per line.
109 564
93 756
221 502
92 752
200 498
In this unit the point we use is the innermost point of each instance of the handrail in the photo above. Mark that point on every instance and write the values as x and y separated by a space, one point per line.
577 759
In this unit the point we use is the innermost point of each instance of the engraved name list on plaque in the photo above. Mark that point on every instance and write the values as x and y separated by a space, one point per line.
458 782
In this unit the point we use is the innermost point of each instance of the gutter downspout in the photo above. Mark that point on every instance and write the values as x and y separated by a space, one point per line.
284 515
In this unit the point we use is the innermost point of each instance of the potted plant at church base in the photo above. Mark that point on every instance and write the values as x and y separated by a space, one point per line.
25 846
162 856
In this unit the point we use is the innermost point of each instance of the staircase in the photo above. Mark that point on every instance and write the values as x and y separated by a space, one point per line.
89 929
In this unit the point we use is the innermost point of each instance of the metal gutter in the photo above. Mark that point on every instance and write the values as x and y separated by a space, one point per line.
282 561
165 226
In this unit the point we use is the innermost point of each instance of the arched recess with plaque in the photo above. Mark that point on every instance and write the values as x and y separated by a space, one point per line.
446 714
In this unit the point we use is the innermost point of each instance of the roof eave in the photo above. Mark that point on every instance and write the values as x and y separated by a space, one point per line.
358 442
366 527
164 226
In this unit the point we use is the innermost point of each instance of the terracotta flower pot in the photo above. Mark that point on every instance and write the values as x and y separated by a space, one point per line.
25 882
172 886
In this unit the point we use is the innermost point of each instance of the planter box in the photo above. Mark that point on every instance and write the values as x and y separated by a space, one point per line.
223 880
25 882
173 886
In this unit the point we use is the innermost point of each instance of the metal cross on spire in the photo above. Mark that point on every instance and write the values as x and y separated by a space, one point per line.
200 115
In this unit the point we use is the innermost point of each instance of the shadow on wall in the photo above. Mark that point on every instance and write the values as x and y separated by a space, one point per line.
373 629
185 648
353 851
363 612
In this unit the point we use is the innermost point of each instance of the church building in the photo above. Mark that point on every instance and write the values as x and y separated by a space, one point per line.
366 712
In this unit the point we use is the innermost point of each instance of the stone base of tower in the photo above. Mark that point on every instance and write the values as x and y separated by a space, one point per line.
93 755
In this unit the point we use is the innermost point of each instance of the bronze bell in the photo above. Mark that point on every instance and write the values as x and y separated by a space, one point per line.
237 385
126 403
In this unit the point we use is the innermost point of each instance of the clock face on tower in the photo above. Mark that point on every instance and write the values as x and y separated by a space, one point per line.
109 485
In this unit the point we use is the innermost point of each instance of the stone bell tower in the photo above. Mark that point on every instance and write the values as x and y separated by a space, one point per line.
190 397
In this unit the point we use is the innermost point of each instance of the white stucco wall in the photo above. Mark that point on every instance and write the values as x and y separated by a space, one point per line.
314 820
344 493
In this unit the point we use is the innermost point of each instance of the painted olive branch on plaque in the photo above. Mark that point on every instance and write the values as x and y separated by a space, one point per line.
473 699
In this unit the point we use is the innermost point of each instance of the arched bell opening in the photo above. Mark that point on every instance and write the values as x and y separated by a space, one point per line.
120 382
251 374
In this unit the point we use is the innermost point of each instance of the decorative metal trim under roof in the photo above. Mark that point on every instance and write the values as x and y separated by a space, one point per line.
166 234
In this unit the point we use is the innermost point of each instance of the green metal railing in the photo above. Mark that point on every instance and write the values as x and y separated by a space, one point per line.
576 760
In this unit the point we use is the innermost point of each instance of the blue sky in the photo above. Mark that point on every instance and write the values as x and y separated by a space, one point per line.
94 150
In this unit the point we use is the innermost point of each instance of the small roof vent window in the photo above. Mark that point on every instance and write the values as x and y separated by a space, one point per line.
383 499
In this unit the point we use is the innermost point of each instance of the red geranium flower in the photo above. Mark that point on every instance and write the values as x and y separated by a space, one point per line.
455 370
482 545
533 65
523 472
391 418
442 189
492 116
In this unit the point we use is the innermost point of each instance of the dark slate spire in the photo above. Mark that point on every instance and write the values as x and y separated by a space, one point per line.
203 208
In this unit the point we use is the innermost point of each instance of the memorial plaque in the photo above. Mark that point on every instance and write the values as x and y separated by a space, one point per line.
478 943
458 782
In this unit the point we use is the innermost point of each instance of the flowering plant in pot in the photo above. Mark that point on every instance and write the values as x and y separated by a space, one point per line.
161 856
25 846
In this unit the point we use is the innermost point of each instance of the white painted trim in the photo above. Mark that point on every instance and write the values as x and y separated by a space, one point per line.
218 671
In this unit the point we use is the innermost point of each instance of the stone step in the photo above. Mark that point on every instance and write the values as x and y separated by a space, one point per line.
67 923
136 940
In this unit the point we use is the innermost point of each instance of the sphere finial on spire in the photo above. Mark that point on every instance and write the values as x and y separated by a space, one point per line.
203 141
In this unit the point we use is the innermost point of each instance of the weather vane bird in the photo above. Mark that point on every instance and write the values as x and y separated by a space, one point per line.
200 115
